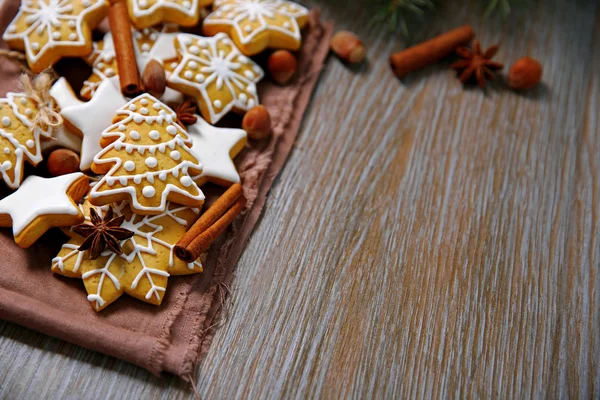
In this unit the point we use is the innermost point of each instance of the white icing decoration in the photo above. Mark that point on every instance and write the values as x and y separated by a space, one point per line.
129 165
213 146
171 130
175 155
6 121
148 191
216 69
38 197
135 135
151 162
186 181
154 134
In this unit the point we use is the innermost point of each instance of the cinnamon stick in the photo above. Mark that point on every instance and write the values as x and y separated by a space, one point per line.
206 238
211 224
129 76
429 52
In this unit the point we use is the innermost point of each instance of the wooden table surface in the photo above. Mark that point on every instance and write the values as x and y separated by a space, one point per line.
423 238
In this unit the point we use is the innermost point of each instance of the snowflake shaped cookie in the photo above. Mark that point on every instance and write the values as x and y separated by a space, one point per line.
149 43
19 139
145 13
147 261
255 25
48 30
215 72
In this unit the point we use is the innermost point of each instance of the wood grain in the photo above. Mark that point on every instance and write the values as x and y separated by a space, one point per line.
424 240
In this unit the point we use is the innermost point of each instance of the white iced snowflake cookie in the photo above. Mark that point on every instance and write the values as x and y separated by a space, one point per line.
213 71
43 203
147 261
146 13
255 25
48 30
146 159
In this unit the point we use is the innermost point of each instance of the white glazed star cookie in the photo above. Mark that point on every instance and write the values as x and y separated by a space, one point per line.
147 261
215 148
255 25
88 119
48 30
145 13
43 203
213 71
146 159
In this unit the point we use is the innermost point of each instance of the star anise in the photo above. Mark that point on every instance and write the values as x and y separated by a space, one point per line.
478 63
185 112
103 233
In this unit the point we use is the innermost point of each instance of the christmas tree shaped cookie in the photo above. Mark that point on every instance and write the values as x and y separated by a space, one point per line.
147 261
255 25
146 159
215 72
19 137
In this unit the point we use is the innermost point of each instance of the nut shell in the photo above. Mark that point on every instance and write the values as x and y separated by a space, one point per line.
282 66
62 162
154 78
257 122
525 73
348 47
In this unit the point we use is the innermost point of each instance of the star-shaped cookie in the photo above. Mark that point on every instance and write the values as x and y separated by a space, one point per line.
91 118
147 261
215 147
215 72
255 25
42 203
145 13
48 30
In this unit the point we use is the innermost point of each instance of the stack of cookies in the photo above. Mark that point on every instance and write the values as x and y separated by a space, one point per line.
141 152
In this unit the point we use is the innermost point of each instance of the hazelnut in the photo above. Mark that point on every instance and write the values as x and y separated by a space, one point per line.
154 78
525 73
348 47
257 122
282 66
62 162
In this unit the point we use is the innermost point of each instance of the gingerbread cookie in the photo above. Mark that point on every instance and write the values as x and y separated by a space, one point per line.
43 203
215 147
215 72
148 44
145 13
48 30
147 261
255 25
146 159
19 137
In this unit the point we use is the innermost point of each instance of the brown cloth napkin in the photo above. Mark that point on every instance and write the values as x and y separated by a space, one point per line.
174 336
